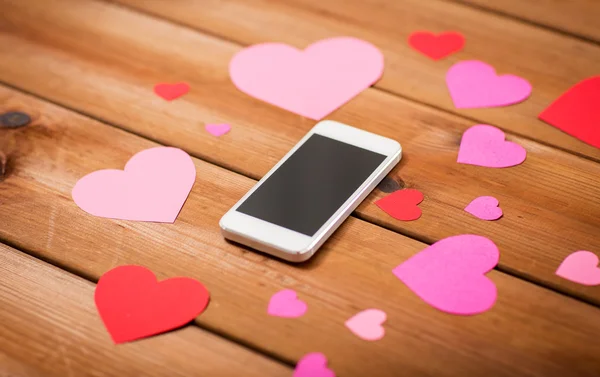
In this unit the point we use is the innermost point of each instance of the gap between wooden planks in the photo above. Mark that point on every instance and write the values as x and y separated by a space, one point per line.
551 202
550 61
50 327
530 331
576 17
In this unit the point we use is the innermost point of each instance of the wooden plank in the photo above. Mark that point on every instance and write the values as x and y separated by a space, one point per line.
50 327
552 201
510 46
579 17
530 331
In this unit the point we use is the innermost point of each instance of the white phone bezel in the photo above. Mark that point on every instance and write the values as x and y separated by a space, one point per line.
294 246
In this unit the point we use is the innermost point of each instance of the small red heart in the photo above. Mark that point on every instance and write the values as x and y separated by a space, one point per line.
402 204
436 46
171 91
576 112
133 305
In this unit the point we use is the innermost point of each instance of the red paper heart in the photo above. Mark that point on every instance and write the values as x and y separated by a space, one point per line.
171 91
133 305
402 204
436 46
577 111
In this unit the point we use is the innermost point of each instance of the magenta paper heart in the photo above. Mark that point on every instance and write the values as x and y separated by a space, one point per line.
313 365
153 187
367 324
311 83
580 267
217 129
485 208
286 304
474 84
484 145
450 274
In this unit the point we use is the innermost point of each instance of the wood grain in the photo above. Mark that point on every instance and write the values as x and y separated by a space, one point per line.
551 62
579 17
530 331
551 202
50 327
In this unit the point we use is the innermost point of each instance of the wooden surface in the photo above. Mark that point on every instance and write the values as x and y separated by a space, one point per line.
106 69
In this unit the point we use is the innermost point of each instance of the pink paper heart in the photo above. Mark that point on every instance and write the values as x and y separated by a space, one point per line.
311 83
484 145
450 274
580 267
153 187
313 365
286 304
367 324
474 84
217 129
485 208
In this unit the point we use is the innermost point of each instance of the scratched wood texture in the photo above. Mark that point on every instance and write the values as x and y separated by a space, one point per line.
530 331
550 61
546 218
49 327
579 17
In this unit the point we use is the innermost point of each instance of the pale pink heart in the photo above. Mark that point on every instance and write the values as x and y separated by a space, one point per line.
485 208
450 274
474 84
153 187
286 304
485 145
367 324
311 83
217 129
313 365
580 267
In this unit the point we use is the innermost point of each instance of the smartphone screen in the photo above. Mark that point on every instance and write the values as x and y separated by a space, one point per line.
312 184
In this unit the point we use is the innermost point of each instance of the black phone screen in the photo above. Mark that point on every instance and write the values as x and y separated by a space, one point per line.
312 184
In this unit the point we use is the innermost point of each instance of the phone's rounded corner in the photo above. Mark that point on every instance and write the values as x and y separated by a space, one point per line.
300 256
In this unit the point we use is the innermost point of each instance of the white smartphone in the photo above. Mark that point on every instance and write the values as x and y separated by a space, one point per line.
293 209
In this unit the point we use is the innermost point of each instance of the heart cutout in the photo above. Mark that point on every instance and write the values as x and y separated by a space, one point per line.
474 84
576 111
367 324
286 304
171 91
217 129
436 46
311 83
153 187
402 204
580 267
485 145
485 208
134 305
313 365
450 274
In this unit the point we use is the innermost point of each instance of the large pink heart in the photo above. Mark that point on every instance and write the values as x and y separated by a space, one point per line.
311 83
474 84
153 187
484 145
450 274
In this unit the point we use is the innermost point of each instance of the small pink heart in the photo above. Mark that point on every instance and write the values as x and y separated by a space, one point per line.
485 145
580 267
217 129
474 84
450 274
153 187
485 208
286 304
311 83
313 365
367 324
